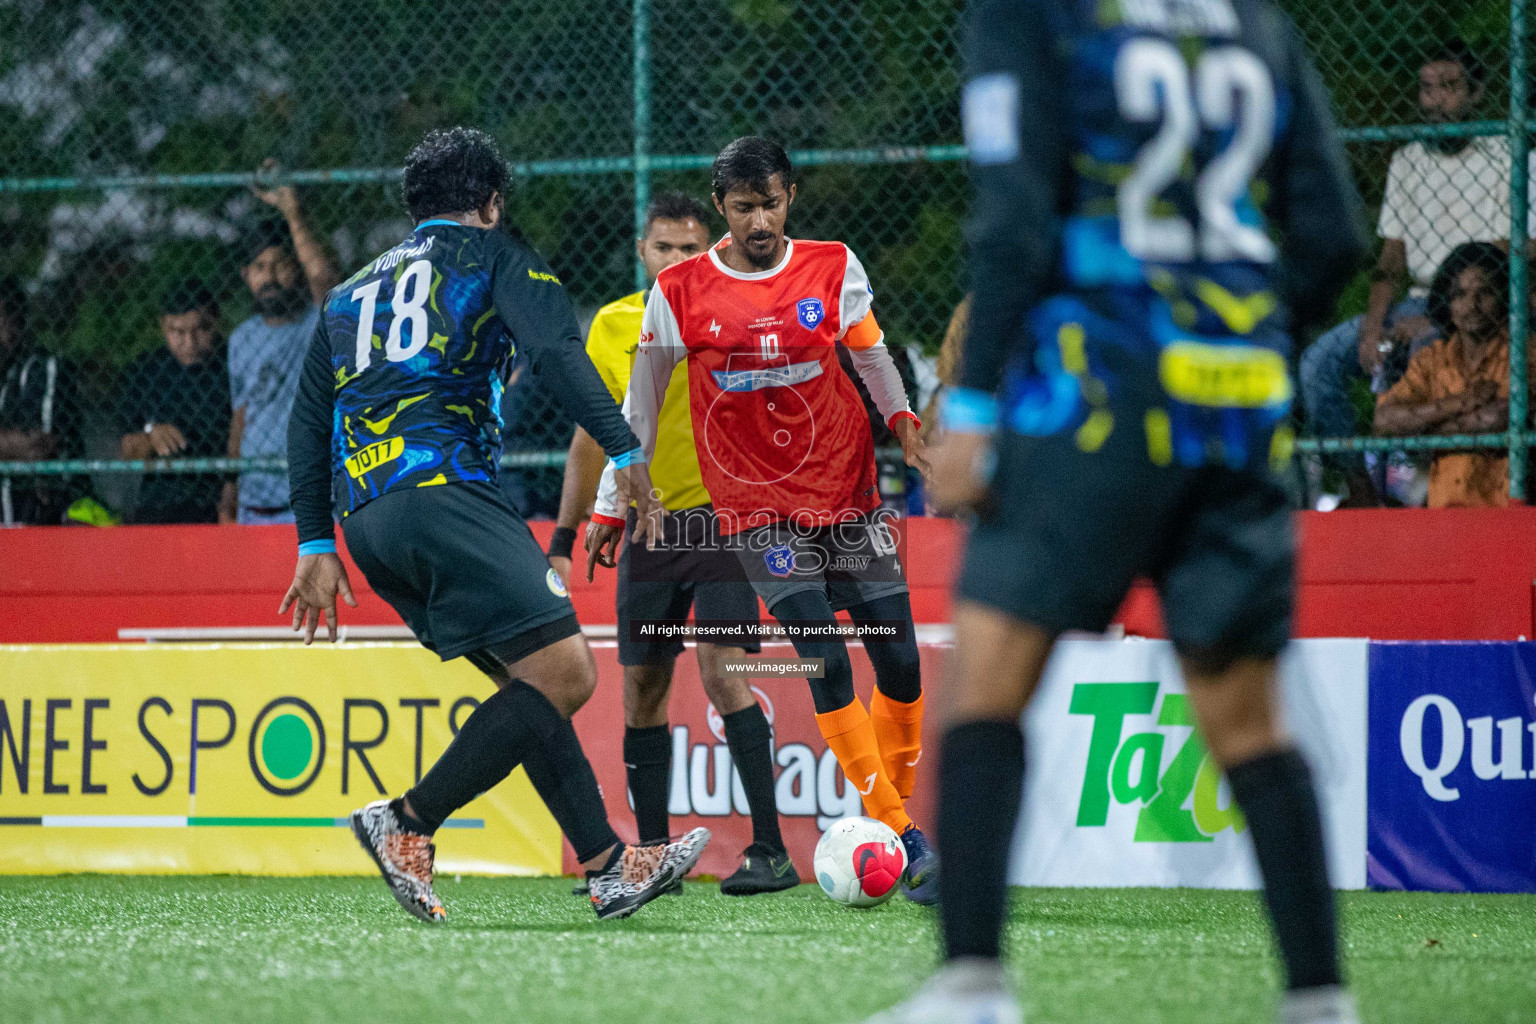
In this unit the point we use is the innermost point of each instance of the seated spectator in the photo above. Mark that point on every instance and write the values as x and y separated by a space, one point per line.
288 274
39 419
1440 193
1460 384
176 405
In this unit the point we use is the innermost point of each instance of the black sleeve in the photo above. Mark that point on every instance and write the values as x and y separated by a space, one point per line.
309 441
532 303
1016 177
130 402
1317 207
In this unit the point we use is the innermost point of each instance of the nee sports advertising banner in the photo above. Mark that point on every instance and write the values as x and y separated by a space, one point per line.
1120 788
239 758
1453 767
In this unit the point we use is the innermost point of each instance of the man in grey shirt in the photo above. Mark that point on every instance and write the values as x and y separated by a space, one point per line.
288 274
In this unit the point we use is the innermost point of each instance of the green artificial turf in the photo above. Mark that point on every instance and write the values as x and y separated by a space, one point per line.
225 949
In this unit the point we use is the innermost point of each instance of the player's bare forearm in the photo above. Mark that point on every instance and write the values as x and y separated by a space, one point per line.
318 269
583 469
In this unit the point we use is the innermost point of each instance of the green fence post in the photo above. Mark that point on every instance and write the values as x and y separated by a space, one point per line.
1519 203
642 124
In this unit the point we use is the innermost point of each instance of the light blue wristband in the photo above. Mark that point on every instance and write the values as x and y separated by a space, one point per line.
629 458
317 547
968 411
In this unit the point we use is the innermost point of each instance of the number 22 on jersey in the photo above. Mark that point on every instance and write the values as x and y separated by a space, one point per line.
1231 90
412 290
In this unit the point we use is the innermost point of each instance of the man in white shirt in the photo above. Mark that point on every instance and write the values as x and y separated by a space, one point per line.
1440 193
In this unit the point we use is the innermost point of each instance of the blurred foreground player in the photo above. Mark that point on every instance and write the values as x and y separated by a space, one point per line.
1127 374
689 568
785 449
398 410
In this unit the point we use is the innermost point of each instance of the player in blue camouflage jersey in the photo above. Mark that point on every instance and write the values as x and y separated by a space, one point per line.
1161 203
397 428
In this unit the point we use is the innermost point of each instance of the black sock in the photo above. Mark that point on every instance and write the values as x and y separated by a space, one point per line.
560 771
407 821
648 761
613 855
1276 794
518 725
981 777
751 741
898 668
835 689
488 746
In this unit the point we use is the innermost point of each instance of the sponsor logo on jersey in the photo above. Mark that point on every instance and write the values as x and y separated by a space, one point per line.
539 275
767 377
374 456
810 313
1225 376
556 586
780 560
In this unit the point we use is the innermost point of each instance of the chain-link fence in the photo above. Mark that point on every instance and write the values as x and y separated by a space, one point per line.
131 136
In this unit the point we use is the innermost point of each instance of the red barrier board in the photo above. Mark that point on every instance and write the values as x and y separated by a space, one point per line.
1450 574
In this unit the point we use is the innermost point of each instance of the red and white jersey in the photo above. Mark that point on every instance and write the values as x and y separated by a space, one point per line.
780 428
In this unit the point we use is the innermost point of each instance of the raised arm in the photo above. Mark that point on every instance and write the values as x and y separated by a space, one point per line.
319 271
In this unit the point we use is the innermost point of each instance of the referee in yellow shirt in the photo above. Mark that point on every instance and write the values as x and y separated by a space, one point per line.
680 572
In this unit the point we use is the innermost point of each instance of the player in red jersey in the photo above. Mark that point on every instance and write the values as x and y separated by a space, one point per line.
786 454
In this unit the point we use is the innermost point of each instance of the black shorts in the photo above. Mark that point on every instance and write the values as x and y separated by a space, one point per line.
852 562
689 568
1066 533
462 569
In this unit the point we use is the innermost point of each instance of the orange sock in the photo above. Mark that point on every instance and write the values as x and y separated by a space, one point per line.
899 731
851 735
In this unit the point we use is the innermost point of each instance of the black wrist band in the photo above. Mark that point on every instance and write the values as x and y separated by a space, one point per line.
561 542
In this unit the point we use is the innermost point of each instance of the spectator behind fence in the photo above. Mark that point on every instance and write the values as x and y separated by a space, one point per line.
176 405
1440 194
39 418
288 274
1460 384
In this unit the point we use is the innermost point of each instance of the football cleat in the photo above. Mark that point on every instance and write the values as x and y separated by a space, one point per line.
641 873
965 991
1329 1004
404 859
762 870
920 884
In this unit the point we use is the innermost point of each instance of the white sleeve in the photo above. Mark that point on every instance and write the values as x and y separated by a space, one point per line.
661 348
857 296
1394 204
882 379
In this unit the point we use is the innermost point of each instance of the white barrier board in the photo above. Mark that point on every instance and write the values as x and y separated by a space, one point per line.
1121 792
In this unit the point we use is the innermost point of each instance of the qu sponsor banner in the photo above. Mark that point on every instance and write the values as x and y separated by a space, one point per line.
1122 792
1453 767
238 758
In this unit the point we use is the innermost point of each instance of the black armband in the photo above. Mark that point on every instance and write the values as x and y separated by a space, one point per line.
561 542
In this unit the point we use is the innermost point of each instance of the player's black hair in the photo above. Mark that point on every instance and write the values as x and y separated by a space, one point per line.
1485 256
452 171
751 161
1456 51
186 296
674 206
264 234
13 303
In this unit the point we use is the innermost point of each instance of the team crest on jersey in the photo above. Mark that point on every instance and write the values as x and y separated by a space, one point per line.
811 313
780 560
555 584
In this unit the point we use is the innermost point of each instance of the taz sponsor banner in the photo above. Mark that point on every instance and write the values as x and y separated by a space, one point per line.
1122 792
1453 767
811 791
238 758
